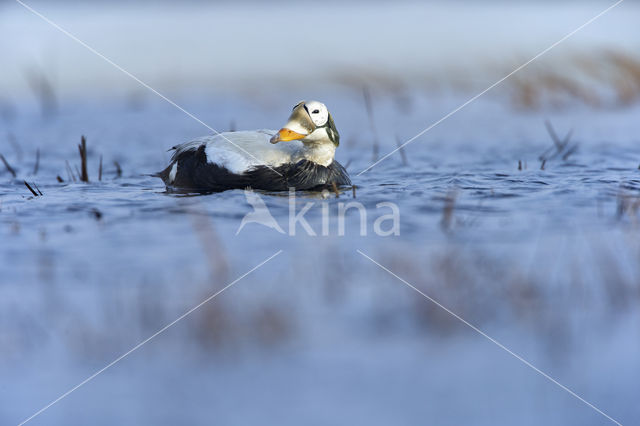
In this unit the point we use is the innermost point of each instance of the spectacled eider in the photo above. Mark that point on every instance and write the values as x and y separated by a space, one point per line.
237 160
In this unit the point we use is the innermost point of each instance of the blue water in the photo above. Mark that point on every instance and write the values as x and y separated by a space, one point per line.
544 261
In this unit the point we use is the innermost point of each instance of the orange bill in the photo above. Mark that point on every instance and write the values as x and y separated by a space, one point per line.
289 135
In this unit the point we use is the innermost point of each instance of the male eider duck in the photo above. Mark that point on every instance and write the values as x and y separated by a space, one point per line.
300 156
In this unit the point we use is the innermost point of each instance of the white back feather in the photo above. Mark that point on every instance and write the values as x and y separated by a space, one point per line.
241 151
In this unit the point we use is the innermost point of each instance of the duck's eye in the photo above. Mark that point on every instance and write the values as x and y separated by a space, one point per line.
315 111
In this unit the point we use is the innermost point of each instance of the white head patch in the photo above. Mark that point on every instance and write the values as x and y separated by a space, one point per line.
318 112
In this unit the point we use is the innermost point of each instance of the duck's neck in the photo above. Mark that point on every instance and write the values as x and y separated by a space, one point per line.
319 152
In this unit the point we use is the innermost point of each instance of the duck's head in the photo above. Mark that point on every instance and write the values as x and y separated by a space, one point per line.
311 123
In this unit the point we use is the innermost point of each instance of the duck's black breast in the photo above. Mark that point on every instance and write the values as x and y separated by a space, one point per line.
195 173
302 175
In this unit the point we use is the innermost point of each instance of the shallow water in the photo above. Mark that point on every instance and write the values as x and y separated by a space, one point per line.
544 261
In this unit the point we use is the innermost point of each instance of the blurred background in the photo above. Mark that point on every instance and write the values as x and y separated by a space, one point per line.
519 213
250 48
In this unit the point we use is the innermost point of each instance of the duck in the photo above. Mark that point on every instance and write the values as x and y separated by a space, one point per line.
300 156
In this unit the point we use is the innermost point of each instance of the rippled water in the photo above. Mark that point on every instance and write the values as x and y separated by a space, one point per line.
544 261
